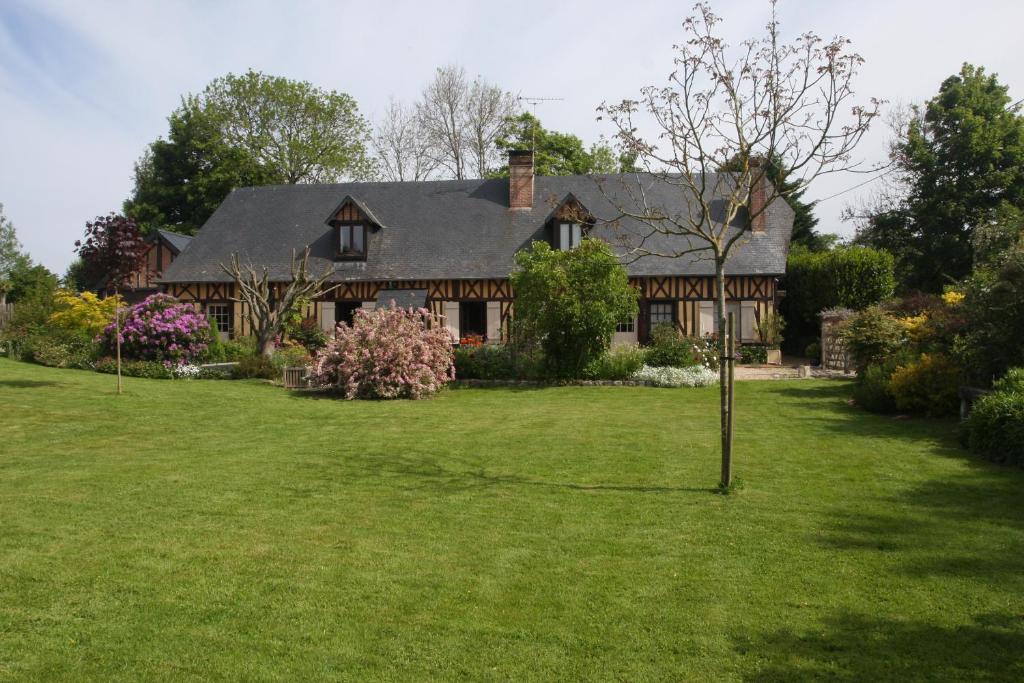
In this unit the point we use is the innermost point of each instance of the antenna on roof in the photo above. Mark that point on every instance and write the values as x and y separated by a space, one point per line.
534 101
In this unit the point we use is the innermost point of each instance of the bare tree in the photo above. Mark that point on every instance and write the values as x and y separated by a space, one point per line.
442 113
267 303
488 111
732 108
402 146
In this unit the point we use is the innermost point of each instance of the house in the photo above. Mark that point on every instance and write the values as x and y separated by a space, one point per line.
164 247
449 246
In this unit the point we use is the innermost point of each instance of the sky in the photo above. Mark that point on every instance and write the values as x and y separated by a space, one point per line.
85 86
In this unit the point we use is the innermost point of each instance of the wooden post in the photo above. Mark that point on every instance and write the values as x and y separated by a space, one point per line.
117 336
730 352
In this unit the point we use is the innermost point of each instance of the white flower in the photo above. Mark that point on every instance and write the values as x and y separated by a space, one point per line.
185 371
694 376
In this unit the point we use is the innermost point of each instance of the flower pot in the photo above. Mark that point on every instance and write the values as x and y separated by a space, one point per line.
774 357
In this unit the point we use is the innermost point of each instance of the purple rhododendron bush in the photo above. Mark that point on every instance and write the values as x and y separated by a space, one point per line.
161 329
387 353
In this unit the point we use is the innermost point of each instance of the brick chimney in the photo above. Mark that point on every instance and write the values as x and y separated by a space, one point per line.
520 179
758 198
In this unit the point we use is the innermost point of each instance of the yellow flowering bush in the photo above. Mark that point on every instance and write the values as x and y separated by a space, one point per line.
915 325
83 312
952 297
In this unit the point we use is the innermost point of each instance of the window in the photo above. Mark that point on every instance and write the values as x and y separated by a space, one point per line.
220 314
352 241
733 308
661 312
626 325
345 311
569 235
473 318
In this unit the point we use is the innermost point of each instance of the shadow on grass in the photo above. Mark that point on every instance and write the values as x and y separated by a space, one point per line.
28 383
858 647
425 473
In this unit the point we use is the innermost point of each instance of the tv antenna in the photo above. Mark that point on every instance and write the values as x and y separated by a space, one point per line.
534 101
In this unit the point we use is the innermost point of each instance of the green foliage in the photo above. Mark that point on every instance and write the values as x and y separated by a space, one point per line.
995 427
873 336
306 331
255 367
769 328
813 351
668 348
59 349
993 310
618 363
75 277
570 302
30 283
872 391
490 361
850 277
149 369
961 158
753 354
11 256
249 129
928 386
1012 382
290 357
555 153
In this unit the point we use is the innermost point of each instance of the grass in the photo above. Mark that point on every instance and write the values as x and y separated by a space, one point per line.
231 530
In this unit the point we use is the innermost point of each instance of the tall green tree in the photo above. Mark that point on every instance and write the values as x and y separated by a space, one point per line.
252 129
555 153
959 158
12 258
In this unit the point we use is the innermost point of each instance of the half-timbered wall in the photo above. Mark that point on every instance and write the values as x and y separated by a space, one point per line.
688 294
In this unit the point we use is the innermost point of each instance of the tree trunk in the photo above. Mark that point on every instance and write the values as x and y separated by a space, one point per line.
723 370
265 342
117 337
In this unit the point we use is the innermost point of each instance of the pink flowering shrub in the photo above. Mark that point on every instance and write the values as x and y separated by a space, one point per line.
387 353
161 329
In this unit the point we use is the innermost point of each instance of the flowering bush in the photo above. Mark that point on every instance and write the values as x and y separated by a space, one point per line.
186 371
161 329
85 313
929 386
693 376
386 353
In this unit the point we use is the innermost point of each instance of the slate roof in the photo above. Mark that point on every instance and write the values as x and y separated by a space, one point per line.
457 229
175 239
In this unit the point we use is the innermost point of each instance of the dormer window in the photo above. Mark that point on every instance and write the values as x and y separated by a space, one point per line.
569 235
352 241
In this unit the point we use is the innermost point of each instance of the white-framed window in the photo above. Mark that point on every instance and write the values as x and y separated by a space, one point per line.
221 315
352 240
569 235
661 312
626 326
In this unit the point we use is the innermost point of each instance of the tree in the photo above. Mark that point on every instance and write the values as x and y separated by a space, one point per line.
113 250
769 100
554 153
12 258
180 182
74 277
268 305
570 302
956 160
462 120
403 146
252 129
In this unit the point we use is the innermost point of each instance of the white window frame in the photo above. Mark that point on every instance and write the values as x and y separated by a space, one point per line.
569 235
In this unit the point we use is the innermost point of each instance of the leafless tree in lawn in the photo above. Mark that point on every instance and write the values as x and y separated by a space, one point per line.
402 145
267 304
734 108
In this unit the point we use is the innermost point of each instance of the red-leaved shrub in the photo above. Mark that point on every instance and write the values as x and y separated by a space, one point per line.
386 353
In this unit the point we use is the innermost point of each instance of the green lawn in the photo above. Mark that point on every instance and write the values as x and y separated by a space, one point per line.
230 530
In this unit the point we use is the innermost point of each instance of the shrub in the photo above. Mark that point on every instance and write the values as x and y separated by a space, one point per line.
484 362
851 277
83 313
928 386
60 350
135 368
386 353
290 357
255 367
570 302
668 348
872 390
872 336
1012 382
620 362
993 311
813 351
769 328
160 329
307 332
995 427
693 376
753 354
